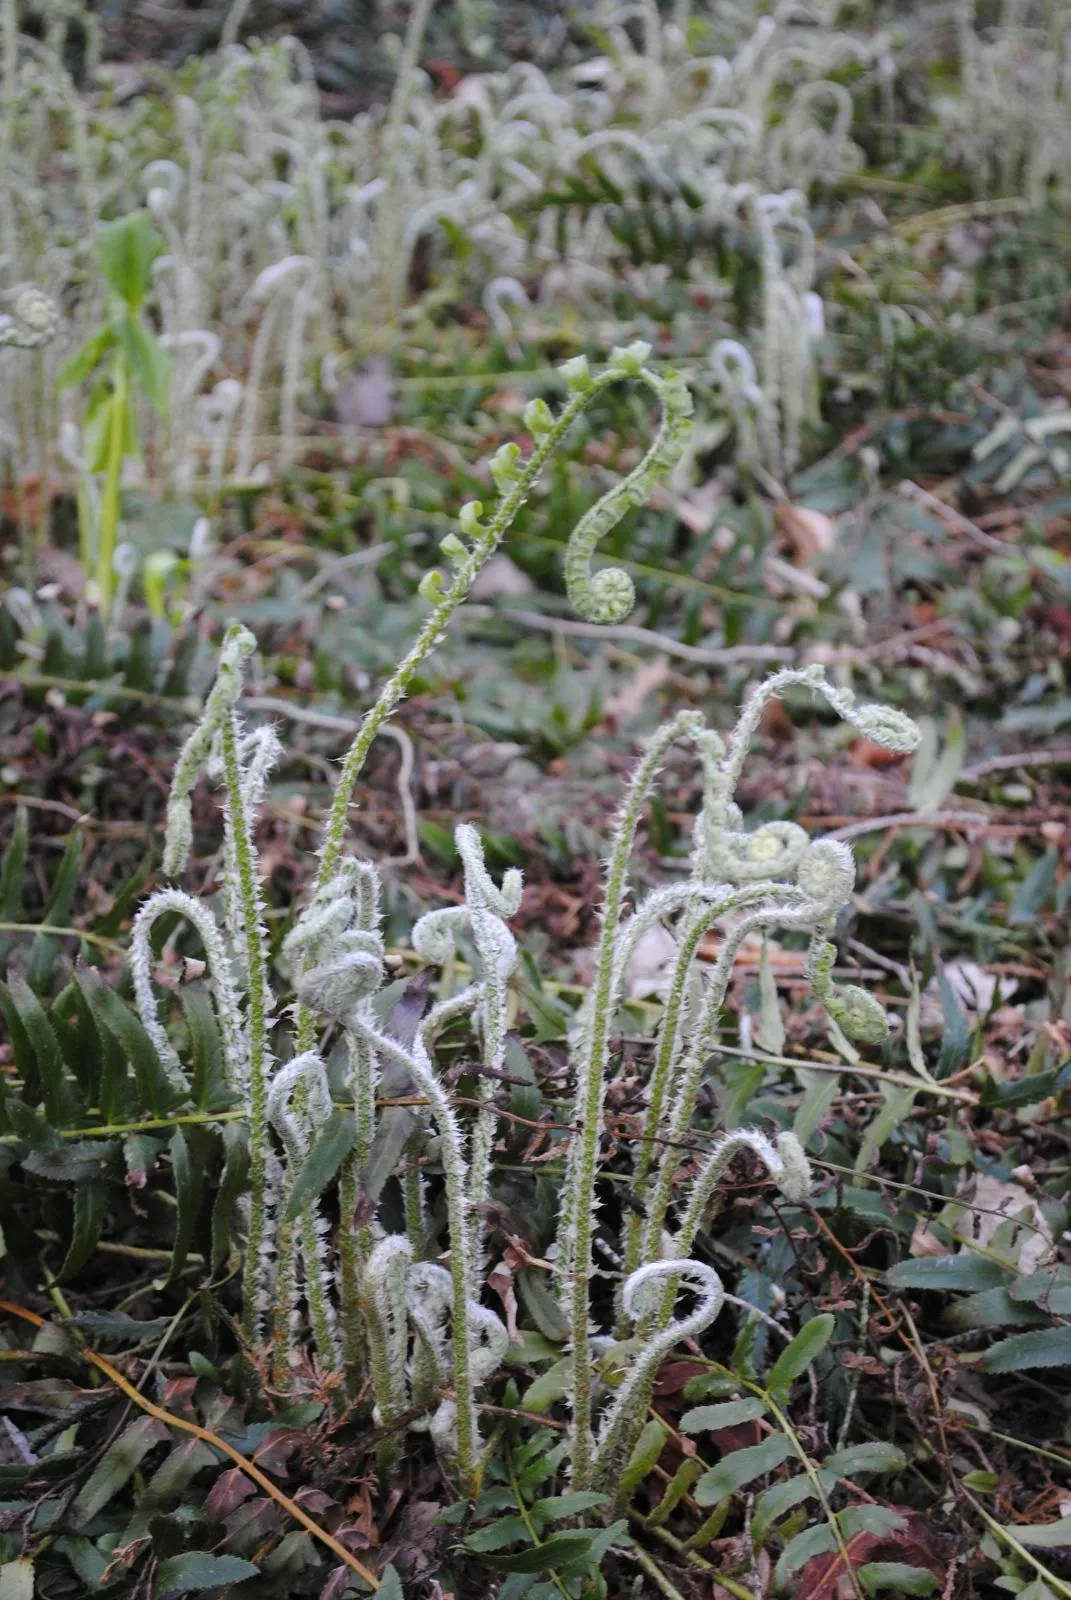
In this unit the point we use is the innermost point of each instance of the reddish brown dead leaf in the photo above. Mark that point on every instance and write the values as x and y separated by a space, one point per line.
916 1545
227 1494
276 1450
335 1586
675 1374
810 533
865 753
501 1281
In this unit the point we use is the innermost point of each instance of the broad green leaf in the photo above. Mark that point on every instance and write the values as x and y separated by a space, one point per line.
1047 1347
981 1482
507 1530
557 1506
117 1466
1050 1287
87 357
116 1019
964 1271
232 1186
1043 1535
707 1419
616 1537
117 1326
196 1570
56 1089
13 879
675 1490
189 1189
547 1389
740 1467
934 775
956 1039
148 360
77 1161
90 1209
87 1561
491 1500
330 1148
820 1091
645 1454
78 1039
208 1078
168 1483
805 1348
1028 1090
127 249
542 1305
57 913
880 1521
711 1386
775 1502
560 1551
817 1540
876 1576
899 1104
390 1585
858 1459
992 1308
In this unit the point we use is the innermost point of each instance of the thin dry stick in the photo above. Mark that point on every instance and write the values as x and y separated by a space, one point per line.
701 655
956 519
912 819
207 1437
1056 756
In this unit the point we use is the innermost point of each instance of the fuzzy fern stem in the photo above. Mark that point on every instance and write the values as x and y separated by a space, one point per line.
577 1225
249 898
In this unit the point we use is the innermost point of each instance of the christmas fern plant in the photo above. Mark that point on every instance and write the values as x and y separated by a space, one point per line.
399 1315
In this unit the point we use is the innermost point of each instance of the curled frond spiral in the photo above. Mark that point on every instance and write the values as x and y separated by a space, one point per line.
640 1296
609 595
221 979
854 1010
785 1161
770 852
336 944
34 321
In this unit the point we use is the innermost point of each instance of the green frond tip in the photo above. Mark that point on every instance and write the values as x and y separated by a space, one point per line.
893 730
859 1015
854 1010
607 597
238 645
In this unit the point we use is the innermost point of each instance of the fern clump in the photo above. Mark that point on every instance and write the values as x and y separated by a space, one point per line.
356 1298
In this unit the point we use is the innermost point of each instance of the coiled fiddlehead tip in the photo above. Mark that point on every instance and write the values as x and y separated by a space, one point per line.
35 320
858 1014
771 851
795 1179
894 730
608 597
827 872
855 1011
